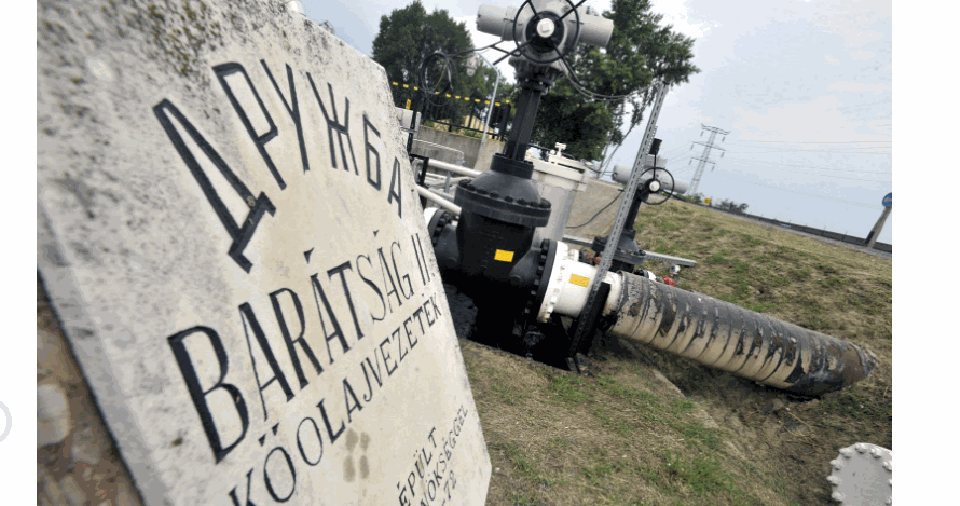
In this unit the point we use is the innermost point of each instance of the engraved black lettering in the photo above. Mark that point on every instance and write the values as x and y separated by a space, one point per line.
400 351
373 286
293 108
402 496
406 277
320 296
334 125
199 396
386 356
290 469
436 309
426 312
377 376
410 481
409 334
375 183
385 272
303 452
419 319
347 395
424 275
395 187
240 235
326 421
346 292
222 72
233 493
281 321
246 314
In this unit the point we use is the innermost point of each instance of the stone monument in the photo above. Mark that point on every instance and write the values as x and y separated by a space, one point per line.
232 246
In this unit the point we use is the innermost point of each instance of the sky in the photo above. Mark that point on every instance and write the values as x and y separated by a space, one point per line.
803 88
806 69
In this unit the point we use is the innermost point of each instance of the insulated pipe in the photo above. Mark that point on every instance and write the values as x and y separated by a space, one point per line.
440 201
725 336
456 169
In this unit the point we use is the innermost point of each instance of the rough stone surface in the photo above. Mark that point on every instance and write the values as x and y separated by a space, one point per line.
86 447
243 277
72 491
53 415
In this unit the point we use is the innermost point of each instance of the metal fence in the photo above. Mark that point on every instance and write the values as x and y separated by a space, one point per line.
458 113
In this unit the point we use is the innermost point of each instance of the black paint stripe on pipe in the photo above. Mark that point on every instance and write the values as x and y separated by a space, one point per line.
703 316
711 338
683 317
777 344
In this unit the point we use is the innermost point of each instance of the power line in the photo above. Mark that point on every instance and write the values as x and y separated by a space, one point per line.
801 193
810 142
810 166
794 150
841 177
774 164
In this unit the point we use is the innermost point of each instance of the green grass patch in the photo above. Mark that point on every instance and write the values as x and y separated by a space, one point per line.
615 423
698 432
720 257
761 307
509 395
570 388
521 462
749 241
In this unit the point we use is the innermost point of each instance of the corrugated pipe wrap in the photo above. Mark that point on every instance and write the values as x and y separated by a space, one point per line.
728 337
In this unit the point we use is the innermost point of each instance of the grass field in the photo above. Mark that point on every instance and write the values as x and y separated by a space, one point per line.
649 428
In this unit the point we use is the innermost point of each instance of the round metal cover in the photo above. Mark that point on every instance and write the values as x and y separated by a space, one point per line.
863 476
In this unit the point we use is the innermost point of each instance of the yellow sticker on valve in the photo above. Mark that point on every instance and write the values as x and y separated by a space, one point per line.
580 280
503 255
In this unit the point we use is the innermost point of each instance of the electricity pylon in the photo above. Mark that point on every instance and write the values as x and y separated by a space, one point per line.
704 158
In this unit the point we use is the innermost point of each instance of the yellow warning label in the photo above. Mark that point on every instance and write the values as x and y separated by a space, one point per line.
503 255
580 280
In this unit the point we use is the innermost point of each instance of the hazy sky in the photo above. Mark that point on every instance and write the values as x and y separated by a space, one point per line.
804 88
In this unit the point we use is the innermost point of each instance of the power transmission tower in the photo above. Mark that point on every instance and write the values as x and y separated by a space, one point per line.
704 158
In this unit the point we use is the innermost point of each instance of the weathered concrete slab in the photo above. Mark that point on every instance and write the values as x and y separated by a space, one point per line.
229 233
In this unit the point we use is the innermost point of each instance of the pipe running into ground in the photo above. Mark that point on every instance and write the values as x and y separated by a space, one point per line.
712 332
728 337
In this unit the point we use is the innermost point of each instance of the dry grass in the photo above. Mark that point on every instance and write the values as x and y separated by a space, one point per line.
627 435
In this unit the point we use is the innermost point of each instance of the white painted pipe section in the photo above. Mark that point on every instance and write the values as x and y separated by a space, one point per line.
568 284
440 201
428 214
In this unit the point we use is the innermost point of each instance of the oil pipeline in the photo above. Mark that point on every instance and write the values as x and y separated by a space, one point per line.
500 242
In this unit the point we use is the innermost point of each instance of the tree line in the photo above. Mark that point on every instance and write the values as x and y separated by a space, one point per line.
592 125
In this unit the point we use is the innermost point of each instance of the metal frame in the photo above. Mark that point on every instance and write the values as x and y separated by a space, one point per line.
586 324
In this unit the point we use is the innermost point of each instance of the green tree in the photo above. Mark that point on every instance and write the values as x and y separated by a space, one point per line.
409 35
639 51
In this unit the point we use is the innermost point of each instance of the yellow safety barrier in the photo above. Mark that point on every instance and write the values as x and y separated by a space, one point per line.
458 97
